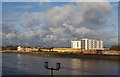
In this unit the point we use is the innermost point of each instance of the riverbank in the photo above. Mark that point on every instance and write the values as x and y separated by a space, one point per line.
68 55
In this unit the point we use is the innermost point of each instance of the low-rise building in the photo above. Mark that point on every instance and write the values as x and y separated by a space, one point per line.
24 49
70 50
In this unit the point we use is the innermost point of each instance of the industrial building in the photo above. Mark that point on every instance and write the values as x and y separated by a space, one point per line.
70 50
88 44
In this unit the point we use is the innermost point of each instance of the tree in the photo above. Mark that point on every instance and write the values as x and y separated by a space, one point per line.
115 47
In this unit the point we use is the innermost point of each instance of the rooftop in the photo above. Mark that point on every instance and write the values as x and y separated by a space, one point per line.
86 38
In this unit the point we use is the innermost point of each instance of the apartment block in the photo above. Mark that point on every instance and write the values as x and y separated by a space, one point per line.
87 44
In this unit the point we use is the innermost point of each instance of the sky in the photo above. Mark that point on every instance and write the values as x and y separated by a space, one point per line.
57 23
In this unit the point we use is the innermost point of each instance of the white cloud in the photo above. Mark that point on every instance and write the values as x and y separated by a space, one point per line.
10 35
60 24
82 30
69 21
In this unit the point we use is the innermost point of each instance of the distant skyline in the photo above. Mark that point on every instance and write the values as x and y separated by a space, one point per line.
57 23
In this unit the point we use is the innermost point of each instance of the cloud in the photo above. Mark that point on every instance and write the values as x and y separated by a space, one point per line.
95 15
8 27
58 25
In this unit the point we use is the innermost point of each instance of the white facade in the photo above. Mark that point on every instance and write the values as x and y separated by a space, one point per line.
86 44
19 48
75 44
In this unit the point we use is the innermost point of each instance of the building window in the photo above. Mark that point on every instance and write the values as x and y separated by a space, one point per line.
77 44
82 44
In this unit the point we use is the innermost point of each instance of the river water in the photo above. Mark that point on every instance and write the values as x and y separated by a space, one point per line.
19 64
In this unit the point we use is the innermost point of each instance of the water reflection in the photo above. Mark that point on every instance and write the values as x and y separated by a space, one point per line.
17 64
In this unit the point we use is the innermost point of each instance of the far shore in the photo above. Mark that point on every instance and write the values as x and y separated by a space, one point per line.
68 55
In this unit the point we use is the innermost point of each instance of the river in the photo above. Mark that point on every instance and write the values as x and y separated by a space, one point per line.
19 64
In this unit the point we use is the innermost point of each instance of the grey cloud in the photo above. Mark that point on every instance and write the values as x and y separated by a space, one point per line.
8 27
95 14
60 24
8 32
65 23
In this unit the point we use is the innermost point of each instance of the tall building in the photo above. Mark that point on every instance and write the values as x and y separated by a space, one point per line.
86 44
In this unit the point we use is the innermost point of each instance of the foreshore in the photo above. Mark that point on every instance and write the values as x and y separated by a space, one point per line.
69 55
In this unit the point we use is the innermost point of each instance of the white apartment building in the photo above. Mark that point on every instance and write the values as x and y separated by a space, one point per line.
86 44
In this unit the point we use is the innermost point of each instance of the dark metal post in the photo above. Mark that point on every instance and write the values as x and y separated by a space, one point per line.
52 73
52 69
